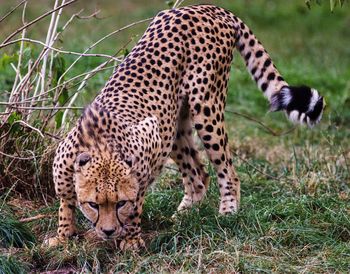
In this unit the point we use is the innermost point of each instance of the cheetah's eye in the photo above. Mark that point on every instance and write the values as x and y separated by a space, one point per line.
120 204
93 205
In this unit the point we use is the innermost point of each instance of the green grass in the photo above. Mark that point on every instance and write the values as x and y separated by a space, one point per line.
10 265
295 210
13 233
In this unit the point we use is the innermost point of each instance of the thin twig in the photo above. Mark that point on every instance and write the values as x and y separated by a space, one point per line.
45 49
14 106
86 78
25 101
12 10
17 157
53 136
18 70
32 128
259 170
25 80
48 43
171 168
34 218
93 15
178 3
89 48
43 56
81 86
99 41
267 129
62 51
34 21
41 133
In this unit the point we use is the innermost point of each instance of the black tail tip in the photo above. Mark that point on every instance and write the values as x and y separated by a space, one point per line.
302 104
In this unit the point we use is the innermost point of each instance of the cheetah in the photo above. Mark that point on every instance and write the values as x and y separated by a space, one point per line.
173 82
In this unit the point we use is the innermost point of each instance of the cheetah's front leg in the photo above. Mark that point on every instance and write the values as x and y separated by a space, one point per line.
132 235
132 229
66 222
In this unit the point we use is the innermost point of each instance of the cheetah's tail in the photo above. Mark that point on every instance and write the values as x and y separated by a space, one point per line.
302 104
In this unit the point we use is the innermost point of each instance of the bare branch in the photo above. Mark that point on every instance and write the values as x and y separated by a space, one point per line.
16 157
60 50
35 20
88 76
32 128
259 170
100 40
14 106
178 3
20 55
267 129
27 100
41 133
93 15
12 10
34 218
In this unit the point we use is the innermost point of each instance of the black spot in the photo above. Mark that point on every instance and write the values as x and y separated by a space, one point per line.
197 107
198 126
217 161
267 63
254 70
215 147
259 53
271 76
206 138
207 145
209 128
184 27
206 111
241 47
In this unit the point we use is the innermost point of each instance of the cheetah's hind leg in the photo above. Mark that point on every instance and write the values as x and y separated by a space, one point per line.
194 178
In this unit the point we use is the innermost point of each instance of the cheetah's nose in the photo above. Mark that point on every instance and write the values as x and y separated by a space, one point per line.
108 232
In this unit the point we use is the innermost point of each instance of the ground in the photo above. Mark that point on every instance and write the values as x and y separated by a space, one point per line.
295 213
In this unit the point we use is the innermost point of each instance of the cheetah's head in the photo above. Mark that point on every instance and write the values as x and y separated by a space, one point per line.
106 192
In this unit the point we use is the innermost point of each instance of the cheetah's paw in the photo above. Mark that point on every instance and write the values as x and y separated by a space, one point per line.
54 242
228 206
132 244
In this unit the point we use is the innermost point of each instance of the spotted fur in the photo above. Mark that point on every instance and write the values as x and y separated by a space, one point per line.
172 82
